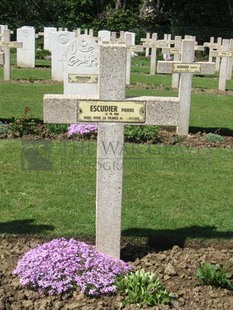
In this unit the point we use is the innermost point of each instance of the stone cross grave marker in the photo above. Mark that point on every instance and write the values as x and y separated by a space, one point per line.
104 35
226 55
131 48
176 52
26 54
2 28
111 112
81 68
127 38
212 47
168 39
154 44
146 40
186 68
230 61
6 45
60 40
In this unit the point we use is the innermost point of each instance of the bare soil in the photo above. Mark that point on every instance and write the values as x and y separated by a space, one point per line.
175 266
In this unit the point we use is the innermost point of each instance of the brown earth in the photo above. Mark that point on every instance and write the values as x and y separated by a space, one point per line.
175 267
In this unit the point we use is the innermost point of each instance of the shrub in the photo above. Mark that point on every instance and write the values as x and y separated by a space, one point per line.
64 265
177 139
57 128
136 134
42 54
23 125
141 288
213 137
3 128
141 134
215 275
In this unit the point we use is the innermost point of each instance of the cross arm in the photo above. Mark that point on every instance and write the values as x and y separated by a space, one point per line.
12 44
178 67
63 109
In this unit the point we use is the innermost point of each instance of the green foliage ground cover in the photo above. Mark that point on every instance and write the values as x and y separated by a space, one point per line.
167 189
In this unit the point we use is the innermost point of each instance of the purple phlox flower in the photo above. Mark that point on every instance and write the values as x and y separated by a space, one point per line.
81 129
62 265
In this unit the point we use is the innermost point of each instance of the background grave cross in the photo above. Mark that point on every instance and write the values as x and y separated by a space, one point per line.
226 55
71 109
154 44
186 68
6 45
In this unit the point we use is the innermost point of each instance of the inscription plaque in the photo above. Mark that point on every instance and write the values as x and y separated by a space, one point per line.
225 54
11 44
189 68
83 78
111 111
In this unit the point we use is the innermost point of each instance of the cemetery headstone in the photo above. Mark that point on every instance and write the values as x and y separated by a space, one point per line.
26 54
104 35
60 40
81 68
47 37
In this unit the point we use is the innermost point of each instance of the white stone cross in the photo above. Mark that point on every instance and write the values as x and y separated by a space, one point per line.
214 46
176 51
154 44
226 55
126 38
111 112
168 39
146 40
6 45
186 68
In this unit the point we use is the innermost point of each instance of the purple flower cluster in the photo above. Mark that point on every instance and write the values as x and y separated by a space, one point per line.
81 129
62 265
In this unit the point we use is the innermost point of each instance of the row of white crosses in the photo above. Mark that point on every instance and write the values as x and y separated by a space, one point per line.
219 51
186 67
103 77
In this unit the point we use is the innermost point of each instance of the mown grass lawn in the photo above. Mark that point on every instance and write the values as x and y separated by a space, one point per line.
167 189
